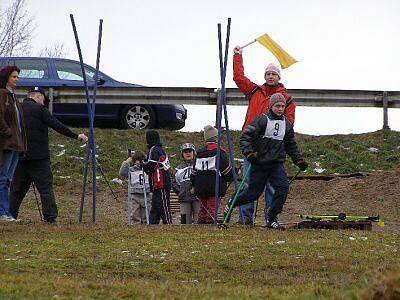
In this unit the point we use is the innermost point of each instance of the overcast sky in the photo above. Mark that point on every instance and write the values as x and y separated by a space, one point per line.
339 45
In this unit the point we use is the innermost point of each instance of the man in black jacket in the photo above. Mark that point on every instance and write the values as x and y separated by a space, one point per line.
265 143
34 166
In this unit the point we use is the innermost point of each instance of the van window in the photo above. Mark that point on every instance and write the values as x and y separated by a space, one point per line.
68 70
32 68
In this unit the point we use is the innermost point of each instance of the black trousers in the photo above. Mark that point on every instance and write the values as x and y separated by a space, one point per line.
160 208
38 172
258 177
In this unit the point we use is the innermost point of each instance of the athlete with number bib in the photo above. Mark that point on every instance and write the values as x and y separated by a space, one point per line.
204 172
182 186
139 182
265 143
158 167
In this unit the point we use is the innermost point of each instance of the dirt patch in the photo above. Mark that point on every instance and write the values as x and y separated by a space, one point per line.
376 194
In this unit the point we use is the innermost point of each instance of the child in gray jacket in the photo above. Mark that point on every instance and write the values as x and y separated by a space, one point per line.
182 186
138 180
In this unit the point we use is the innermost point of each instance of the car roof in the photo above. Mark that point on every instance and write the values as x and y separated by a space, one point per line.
43 57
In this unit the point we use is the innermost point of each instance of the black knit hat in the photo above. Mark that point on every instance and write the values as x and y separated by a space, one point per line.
152 138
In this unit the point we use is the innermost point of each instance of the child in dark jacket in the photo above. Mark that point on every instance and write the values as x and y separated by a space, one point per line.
265 143
158 167
182 186
204 172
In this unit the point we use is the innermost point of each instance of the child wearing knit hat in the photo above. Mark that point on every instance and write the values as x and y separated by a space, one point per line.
265 143
204 175
158 168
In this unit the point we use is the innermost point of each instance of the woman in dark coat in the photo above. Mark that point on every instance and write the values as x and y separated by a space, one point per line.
12 135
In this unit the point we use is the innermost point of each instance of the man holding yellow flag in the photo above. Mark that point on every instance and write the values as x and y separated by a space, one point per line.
259 97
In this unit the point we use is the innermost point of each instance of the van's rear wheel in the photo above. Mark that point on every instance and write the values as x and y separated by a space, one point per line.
137 117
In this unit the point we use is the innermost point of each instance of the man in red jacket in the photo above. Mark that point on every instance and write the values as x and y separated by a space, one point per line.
258 97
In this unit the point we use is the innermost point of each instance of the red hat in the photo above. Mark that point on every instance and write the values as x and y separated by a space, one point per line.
275 98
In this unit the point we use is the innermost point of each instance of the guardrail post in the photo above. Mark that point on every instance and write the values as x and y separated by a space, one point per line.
51 98
385 111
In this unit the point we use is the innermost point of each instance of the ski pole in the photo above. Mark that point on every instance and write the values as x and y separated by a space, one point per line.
37 202
294 177
255 214
129 198
228 215
145 198
105 179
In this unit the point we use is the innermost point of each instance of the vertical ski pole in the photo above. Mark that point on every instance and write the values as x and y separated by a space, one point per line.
228 215
129 197
85 173
146 207
255 212
91 120
37 202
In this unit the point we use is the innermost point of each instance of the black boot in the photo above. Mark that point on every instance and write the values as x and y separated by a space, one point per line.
272 221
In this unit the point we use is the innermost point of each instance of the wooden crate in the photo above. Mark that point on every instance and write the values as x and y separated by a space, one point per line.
331 224
174 203
175 207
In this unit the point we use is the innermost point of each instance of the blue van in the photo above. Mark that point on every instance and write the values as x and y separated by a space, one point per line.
58 72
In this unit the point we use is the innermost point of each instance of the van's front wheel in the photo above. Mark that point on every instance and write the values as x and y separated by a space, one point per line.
137 117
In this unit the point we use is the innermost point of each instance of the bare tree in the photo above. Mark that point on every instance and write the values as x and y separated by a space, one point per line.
57 50
16 29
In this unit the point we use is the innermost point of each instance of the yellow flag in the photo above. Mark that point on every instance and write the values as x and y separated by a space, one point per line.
284 58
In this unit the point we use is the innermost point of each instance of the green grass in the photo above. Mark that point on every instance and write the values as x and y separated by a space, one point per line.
110 260
335 154
107 261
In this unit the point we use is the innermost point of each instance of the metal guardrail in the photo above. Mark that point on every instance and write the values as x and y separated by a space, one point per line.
208 96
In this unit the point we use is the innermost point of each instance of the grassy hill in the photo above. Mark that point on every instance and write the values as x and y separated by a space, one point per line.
335 153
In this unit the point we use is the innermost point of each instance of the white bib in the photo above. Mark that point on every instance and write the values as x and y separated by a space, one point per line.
275 129
182 175
137 180
206 163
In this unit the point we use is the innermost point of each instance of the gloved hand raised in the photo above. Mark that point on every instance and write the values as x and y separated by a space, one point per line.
302 165
238 50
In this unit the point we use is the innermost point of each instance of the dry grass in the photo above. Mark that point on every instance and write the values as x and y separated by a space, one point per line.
110 260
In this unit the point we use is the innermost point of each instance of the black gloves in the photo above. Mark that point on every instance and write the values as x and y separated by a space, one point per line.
302 165
251 157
